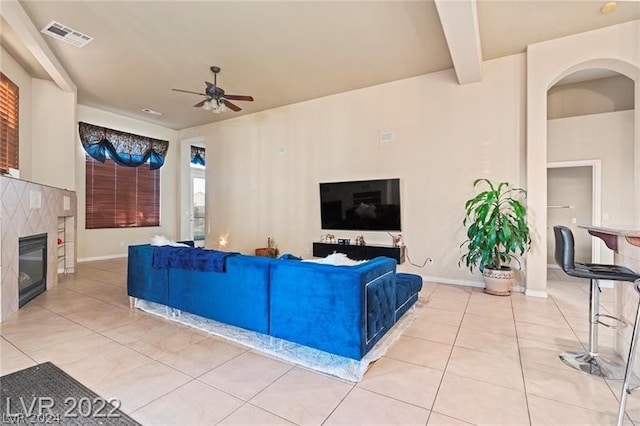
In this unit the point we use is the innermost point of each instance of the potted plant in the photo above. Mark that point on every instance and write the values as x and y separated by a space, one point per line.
497 233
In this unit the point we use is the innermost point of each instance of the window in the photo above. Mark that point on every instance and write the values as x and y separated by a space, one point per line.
121 197
8 124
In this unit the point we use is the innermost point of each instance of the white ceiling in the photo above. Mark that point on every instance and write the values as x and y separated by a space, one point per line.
280 52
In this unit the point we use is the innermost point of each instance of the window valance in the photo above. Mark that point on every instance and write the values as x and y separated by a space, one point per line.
124 148
197 155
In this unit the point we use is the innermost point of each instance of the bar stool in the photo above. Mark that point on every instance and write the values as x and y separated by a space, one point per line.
590 362
628 370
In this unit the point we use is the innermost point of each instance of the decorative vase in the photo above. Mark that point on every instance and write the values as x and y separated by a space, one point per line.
498 281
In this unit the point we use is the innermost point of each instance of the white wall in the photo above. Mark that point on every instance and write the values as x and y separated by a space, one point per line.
20 77
54 135
263 169
100 243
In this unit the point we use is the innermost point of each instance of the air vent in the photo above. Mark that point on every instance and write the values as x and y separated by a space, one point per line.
66 34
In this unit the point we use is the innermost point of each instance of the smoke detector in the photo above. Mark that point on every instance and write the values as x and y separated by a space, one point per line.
609 7
68 35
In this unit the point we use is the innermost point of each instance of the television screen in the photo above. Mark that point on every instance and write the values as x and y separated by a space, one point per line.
367 205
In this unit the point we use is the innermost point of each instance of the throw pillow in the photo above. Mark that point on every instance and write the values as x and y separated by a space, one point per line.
338 259
161 240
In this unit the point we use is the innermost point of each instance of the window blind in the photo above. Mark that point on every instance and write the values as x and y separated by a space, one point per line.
121 197
9 98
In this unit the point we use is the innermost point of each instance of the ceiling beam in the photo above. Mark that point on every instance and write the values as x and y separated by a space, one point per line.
18 20
459 19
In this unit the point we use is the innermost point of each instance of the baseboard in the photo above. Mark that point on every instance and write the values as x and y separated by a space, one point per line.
440 280
536 293
111 256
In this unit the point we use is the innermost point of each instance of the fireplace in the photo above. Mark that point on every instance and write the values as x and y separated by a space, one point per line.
32 271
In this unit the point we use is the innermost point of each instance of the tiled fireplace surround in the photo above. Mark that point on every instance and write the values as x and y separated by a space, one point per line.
26 209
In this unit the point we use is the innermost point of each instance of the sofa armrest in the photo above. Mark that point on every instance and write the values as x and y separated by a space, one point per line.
144 281
343 310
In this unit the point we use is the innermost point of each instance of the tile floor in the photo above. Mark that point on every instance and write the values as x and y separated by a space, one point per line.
469 358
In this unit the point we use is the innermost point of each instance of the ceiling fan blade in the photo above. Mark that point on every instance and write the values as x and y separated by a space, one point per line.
239 97
189 91
200 104
209 84
231 106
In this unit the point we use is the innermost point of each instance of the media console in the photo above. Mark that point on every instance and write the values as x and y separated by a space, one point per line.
356 252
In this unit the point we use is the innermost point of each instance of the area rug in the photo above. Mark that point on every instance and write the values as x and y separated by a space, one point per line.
314 359
44 394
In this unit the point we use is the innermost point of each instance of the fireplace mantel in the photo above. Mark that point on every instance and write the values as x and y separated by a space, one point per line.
28 208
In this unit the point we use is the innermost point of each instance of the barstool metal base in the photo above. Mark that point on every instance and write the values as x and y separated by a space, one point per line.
593 364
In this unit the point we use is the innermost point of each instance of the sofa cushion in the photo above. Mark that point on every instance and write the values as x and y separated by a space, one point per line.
407 288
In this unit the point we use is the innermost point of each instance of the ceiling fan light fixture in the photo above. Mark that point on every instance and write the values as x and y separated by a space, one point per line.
214 105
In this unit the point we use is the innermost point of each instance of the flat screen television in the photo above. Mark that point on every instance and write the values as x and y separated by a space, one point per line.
365 205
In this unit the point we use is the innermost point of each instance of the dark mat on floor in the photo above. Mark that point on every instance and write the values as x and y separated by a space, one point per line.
45 395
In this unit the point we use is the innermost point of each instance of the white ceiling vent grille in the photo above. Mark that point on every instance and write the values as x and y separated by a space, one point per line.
66 34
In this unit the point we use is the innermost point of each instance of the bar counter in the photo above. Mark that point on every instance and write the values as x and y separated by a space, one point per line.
624 240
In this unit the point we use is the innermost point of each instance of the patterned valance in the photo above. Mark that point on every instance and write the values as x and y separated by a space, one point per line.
197 155
124 148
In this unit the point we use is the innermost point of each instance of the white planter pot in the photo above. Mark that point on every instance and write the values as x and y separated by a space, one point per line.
498 281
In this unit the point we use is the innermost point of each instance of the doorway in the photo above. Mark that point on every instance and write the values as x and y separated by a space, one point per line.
198 184
574 192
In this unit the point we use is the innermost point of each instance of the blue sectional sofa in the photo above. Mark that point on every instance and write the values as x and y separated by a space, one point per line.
343 310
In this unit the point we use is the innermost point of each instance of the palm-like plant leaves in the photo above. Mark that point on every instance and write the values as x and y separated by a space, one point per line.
497 227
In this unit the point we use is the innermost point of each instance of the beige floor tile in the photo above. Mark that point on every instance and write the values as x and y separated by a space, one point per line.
164 340
196 358
302 397
547 412
437 419
403 381
100 316
484 367
252 415
114 360
447 303
546 334
435 332
30 336
246 375
488 342
440 316
488 310
7 350
534 353
422 352
497 325
192 404
570 387
480 403
138 387
146 328
61 300
549 320
452 291
362 407
64 353
15 363
480 297
633 400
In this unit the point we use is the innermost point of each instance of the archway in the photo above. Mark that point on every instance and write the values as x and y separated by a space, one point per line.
615 48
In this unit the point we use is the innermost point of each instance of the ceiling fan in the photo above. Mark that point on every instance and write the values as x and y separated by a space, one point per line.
216 100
